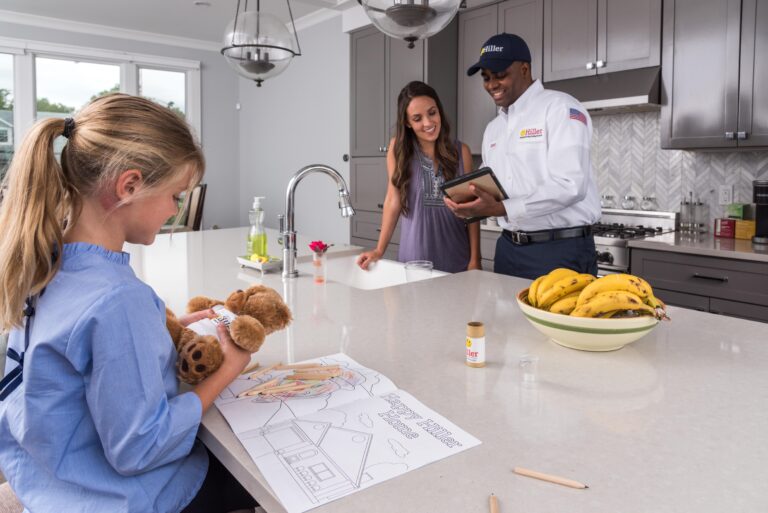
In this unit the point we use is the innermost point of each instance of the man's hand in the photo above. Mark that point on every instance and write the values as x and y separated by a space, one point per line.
484 205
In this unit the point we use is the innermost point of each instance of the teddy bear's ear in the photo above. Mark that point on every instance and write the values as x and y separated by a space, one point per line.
234 302
268 307
198 303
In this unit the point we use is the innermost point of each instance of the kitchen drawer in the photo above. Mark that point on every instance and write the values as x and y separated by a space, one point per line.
367 225
389 254
488 243
730 279
739 309
692 301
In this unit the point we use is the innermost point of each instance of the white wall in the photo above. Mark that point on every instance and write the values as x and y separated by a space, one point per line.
298 118
219 117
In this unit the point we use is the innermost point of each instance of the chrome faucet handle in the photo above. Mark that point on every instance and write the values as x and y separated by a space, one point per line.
281 222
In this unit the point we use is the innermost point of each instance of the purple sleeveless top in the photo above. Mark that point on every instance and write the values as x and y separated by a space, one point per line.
431 231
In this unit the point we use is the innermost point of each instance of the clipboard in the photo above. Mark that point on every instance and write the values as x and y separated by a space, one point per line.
458 188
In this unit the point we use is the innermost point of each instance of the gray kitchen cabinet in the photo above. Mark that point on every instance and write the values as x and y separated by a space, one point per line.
714 74
368 183
368 132
488 240
589 37
719 285
475 107
753 83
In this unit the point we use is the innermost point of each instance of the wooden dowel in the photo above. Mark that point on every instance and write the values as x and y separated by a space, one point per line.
548 477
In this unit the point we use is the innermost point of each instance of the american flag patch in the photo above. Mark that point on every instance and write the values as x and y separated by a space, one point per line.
577 115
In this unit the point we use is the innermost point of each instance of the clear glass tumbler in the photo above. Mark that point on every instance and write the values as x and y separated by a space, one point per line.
416 270
628 203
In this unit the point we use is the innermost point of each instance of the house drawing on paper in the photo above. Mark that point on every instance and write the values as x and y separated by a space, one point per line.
326 461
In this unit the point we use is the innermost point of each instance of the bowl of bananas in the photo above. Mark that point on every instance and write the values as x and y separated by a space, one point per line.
583 312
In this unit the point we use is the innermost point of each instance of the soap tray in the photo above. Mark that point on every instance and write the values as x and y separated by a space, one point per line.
274 264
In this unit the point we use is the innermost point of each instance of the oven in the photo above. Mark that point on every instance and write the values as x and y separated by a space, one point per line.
617 227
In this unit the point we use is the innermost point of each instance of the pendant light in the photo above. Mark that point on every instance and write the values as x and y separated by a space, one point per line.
257 45
410 20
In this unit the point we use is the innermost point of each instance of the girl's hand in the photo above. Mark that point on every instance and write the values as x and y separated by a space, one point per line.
188 319
367 258
235 358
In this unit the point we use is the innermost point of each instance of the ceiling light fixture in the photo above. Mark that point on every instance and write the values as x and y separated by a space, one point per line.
257 45
410 20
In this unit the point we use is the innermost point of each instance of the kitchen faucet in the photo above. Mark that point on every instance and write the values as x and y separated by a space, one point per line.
287 232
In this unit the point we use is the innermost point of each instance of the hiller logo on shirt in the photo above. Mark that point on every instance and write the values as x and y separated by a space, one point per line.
527 133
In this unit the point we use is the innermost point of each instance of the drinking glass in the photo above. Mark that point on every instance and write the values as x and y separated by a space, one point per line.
416 270
606 201
628 203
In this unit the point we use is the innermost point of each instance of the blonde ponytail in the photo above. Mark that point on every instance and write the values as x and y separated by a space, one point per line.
111 134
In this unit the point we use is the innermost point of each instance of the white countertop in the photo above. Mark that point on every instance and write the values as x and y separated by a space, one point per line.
705 245
676 422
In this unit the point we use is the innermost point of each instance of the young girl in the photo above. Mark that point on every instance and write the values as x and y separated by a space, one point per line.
422 157
91 419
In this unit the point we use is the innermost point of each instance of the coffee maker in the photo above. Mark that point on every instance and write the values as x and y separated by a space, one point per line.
760 197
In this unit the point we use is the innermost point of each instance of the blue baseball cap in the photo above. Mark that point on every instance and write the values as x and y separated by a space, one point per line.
499 52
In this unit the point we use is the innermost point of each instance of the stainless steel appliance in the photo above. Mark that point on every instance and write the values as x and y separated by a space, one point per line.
760 197
617 227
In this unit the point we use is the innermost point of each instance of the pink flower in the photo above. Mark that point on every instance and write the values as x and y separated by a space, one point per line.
319 246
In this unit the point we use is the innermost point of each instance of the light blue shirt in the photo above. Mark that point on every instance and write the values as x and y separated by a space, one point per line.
98 424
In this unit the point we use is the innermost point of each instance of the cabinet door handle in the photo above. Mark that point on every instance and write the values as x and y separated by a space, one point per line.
741 135
380 205
384 149
600 64
379 149
723 279
590 65
378 230
729 135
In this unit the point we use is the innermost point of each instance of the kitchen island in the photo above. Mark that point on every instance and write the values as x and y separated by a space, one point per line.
675 422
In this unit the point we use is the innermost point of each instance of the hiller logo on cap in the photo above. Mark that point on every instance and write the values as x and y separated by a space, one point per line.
491 48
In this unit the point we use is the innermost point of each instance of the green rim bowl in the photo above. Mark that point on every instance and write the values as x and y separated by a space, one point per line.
584 333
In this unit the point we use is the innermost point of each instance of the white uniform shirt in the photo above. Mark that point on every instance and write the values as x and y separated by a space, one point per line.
539 150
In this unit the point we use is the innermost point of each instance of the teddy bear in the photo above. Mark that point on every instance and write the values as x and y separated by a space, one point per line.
258 311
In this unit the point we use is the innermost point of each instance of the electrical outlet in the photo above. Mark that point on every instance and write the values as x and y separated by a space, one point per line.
725 195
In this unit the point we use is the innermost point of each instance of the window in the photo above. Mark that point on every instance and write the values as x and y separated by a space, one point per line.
168 88
52 80
6 111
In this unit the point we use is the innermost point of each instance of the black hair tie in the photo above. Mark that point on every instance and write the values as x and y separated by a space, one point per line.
69 126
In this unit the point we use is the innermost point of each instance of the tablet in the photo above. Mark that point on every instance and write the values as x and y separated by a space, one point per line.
458 188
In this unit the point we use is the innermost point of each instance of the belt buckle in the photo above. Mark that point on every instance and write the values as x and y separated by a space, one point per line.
519 238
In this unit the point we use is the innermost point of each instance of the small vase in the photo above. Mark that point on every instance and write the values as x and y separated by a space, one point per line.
318 265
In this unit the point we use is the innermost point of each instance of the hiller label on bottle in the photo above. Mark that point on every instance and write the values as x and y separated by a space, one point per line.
476 350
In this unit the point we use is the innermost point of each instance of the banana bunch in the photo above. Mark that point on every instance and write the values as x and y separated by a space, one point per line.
567 292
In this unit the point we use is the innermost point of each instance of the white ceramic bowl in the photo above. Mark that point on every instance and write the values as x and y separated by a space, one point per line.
586 333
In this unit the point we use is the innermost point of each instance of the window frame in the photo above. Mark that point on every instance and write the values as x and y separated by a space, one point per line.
24 80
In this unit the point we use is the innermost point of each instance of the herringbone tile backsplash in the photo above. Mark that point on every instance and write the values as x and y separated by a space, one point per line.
628 160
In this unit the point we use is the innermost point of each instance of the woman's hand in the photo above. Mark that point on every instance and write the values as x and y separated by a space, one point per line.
474 265
188 319
235 358
367 258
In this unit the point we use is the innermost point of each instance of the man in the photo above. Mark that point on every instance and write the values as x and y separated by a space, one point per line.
538 146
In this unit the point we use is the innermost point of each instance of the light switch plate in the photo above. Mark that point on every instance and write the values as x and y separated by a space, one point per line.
725 195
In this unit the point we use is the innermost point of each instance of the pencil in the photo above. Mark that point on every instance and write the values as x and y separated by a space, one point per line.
263 371
259 387
494 503
548 477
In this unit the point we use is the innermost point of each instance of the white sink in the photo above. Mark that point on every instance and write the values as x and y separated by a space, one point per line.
342 268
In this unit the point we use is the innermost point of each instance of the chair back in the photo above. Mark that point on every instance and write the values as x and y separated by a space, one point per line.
195 207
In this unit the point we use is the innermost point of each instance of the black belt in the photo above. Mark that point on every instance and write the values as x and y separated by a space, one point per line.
522 238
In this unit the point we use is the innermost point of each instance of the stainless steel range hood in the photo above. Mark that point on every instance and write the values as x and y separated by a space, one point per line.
634 90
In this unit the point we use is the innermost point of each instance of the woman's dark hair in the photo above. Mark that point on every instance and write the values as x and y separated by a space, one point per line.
446 152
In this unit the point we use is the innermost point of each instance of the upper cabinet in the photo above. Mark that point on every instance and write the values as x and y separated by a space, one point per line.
588 37
475 107
715 74
381 66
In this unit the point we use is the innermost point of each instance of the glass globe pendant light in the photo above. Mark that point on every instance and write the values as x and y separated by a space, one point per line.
410 20
257 45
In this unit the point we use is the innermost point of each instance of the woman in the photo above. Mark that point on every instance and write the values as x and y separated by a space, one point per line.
420 159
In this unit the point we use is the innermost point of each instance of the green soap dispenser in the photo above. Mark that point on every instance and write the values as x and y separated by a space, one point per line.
257 236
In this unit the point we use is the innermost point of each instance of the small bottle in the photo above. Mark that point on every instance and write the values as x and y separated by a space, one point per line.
475 344
257 236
